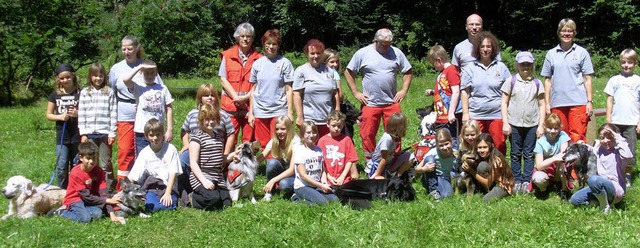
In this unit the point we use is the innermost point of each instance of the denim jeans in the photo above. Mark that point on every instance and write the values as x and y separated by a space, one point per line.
141 143
430 181
274 168
312 196
152 202
66 157
523 140
78 212
597 185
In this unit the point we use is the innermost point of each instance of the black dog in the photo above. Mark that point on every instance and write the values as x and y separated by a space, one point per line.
352 113
582 159
359 193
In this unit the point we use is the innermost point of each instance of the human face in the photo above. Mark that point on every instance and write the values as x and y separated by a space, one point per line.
88 162
310 136
155 140
485 50
483 149
281 131
66 79
438 65
97 79
525 70
474 25
627 66
333 63
382 46
335 127
271 48
552 133
566 35
245 40
607 141
445 147
129 51
313 54
208 99
150 75
469 136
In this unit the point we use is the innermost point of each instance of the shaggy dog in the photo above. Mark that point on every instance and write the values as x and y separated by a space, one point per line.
242 173
132 200
581 158
359 193
26 201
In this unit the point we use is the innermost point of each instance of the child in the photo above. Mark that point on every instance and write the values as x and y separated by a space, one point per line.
338 151
608 186
491 171
332 60
86 195
522 110
549 151
623 104
278 152
470 131
308 160
62 108
446 100
153 101
437 166
385 162
156 168
98 116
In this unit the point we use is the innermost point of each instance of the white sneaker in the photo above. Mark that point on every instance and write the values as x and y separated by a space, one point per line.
267 197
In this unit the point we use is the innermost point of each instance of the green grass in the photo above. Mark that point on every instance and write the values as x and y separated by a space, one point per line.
27 148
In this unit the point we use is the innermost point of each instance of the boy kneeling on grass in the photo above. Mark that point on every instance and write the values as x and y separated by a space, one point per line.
156 169
86 196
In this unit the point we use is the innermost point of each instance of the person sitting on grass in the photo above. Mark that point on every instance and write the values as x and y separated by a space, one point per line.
385 161
437 165
492 171
156 169
278 152
549 151
340 155
86 196
608 186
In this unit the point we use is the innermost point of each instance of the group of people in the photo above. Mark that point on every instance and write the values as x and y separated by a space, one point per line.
478 102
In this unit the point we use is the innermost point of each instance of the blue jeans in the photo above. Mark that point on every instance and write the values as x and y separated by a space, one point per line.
141 143
523 140
430 181
66 157
152 202
78 212
312 196
274 168
597 185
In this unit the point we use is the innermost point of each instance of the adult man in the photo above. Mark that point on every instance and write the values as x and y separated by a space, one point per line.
378 63
462 51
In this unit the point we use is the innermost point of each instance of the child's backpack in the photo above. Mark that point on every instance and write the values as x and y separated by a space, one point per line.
535 80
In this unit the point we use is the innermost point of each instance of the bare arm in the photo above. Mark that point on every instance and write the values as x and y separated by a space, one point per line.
406 83
609 108
51 113
542 164
351 82
465 104
541 116
455 97
128 78
504 105
194 156
547 94
289 94
587 86
169 133
297 102
303 175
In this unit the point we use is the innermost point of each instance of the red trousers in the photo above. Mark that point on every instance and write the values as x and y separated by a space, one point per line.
494 128
574 119
126 149
370 122
263 130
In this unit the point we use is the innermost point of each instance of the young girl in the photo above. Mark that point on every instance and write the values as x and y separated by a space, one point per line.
470 131
385 162
437 166
62 108
522 110
332 60
278 151
608 186
309 162
98 116
549 151
492 171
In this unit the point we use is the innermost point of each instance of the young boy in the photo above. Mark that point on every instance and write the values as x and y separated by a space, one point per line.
339 153
156 168
623 103
446 93
87 190
153 101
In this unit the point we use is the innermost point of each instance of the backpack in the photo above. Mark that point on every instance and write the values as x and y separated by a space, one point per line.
535 80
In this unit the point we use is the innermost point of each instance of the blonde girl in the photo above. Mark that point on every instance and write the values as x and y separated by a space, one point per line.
98 117
278 153
62 107
468 135
437 166
385 162
492 171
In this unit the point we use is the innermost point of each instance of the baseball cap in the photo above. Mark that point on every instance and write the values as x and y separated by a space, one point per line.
524 57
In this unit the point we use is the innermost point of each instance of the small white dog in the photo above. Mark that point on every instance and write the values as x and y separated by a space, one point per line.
26 201
242 174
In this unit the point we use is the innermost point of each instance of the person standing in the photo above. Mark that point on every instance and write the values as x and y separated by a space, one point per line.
378 63
462 51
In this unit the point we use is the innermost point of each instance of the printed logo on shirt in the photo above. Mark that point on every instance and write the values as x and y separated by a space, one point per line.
66 102
153 103
334 155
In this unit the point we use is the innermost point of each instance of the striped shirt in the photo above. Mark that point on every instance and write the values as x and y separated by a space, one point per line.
210 160
191 123
97 112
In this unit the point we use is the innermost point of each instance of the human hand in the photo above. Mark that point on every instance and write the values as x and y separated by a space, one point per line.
429 92
299 120
269 186
465 117
325 188
589 108
72 111
168 136
539 131
377 177
506 128
111 140
115 199
251 119
399 96
638 129
83 138
547 109
429 166
361 97
558 157
166 199
118 220
339 181
451 116
207 184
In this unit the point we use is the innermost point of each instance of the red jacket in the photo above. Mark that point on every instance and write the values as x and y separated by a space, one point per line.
238 76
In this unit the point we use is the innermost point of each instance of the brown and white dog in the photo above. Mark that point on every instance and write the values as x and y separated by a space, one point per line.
27 201
242 174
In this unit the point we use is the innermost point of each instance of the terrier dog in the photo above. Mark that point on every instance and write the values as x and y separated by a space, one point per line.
27 201
132 200
242 174
581 158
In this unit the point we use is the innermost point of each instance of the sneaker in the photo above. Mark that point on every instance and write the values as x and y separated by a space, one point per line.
604 202
267 197
628 177
436 195
57 211
524 188
294 198
564 195
517 188
367 166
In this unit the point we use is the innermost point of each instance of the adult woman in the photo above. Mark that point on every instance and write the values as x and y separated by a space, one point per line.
235 68
567 85
132 51
480 84
271 96
315 89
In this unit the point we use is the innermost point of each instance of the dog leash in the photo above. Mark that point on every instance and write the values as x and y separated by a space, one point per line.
53 173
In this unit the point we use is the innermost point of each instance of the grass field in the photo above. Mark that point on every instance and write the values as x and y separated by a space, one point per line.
27 148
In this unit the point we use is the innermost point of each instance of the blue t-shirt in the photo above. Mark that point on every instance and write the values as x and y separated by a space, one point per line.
550 149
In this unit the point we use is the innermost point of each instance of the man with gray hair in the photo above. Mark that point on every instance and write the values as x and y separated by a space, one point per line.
378 63
462 51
